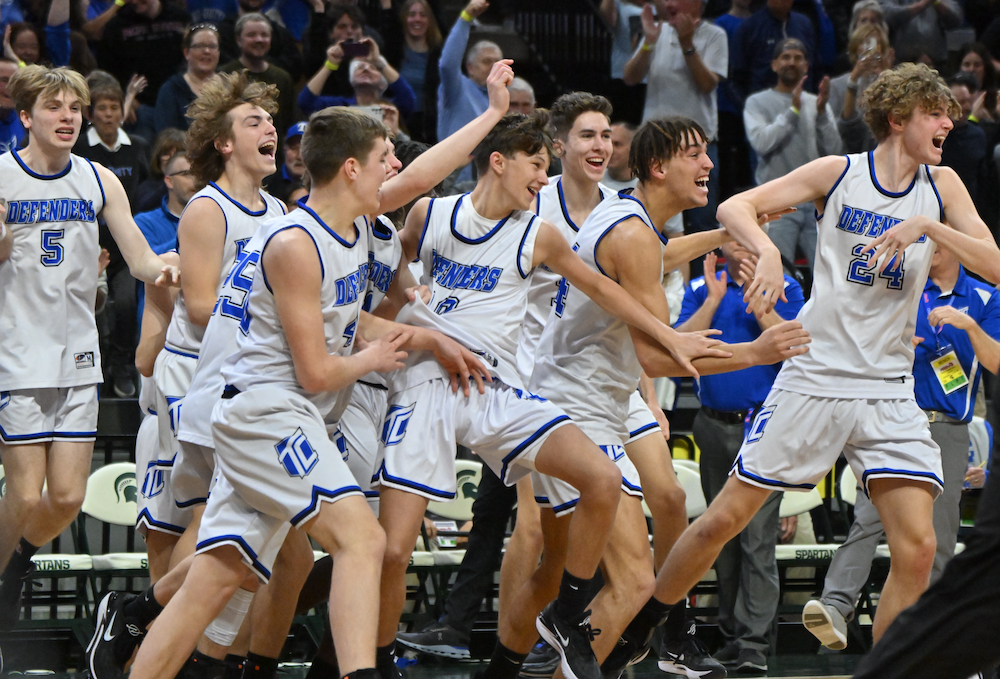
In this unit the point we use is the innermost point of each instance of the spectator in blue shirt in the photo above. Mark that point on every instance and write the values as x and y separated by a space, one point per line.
461 98
958 322
746 567
755 41
159 226
11 131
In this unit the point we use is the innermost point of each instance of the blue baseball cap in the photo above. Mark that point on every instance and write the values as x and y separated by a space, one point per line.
296 130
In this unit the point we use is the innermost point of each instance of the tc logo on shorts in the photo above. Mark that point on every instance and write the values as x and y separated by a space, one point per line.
396 419
296 454
614 452
757 428
152 482
341 443
4 399
84 359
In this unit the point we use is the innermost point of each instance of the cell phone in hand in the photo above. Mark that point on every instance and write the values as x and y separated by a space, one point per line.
353 49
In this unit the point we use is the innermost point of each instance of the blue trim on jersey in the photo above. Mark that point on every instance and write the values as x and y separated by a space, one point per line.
32 173
153 523
185 354
770 482
386 476
190 503
643 429
601 237
562 206
260 263
890 473
473 241
225 219
423 232
520 249
380 230
329 496
240 205
100 184
649 220
517 452
240 544
890 194
310 211
936 194
835 185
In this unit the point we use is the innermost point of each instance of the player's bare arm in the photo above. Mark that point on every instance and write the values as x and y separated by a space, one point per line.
630 255
293 271
435 164
552 250
460 363
156 312
964 234
201 240
142 262
739 214
413 228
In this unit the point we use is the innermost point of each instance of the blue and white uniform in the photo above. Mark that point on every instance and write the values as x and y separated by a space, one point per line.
478 269
853 389
586 362
275 462
50 359
179 361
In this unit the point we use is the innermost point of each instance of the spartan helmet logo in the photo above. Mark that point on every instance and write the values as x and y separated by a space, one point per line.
466 484
3 486
125 487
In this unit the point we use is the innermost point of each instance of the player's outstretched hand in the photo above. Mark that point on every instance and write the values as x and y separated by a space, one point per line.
893 242
170 277
781 341
947 315
767 285
461 364
384 353
685 347
421 291
501 75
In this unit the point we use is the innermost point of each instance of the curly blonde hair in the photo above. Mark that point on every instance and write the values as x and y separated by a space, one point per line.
900 91
212 122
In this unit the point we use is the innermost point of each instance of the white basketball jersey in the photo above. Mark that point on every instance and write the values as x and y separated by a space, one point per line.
478 271
383 256
586 361
263 358
861 321
551 207
48 336
183 336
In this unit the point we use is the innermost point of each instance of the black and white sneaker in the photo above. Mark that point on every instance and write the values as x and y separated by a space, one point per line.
541 663
571 639
689 657
115 638
11 596
627 652
437 639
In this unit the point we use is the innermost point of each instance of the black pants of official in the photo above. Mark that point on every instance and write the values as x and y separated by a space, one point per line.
953 630
474 580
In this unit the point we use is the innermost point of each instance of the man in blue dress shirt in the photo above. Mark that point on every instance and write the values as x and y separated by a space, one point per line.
728 401
958 326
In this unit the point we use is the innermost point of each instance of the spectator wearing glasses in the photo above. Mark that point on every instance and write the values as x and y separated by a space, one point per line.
201 50
152 191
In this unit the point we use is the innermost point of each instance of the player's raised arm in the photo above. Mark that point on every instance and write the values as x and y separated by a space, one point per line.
738 215
434 165
143 263
552 250
964 233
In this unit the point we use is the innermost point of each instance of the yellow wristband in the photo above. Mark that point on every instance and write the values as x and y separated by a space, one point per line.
646 47
466 16
21 64
331 66
119 3
973 119
795 110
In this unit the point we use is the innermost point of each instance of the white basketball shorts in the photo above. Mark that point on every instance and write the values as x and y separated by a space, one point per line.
50 414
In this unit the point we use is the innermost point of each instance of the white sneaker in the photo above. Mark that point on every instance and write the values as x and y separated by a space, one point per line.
826 624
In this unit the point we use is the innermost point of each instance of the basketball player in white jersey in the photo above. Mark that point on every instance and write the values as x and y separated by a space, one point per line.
303 312
479 250
853 391
49 372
